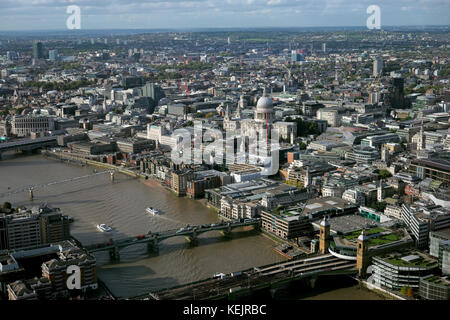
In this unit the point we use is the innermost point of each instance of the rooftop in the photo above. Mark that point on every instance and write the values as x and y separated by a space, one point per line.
410 258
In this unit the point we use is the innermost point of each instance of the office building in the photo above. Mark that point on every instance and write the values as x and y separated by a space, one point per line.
434 168
377 67
331 115
30 228
377 141
53 55
31 289
285 224
38 50
433 287
25 125
422 218
402 269
55 269
296 56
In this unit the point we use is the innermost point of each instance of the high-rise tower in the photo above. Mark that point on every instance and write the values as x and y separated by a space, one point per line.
362 254
324 238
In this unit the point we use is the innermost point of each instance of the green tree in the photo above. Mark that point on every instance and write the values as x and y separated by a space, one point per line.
7 205
384 174
404 290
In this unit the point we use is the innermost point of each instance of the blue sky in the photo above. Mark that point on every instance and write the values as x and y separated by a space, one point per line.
154 14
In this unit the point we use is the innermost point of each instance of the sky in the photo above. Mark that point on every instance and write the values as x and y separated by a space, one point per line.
179 14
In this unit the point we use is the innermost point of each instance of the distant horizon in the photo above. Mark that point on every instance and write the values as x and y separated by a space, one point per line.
183 29
53 15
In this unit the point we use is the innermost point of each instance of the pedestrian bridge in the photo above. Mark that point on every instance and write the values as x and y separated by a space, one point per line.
152 239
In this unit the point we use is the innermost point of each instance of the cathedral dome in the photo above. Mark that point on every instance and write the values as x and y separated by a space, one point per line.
264 103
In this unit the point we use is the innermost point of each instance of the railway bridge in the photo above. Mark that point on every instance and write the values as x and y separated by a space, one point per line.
270 277
28 144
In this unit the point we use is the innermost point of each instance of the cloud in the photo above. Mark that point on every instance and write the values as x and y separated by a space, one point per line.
234 13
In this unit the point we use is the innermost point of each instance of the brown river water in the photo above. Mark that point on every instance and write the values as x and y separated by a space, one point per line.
121 205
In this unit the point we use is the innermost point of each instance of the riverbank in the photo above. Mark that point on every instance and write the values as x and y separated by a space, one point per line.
341 287
380 291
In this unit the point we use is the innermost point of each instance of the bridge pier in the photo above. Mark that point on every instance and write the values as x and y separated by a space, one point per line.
112 176
273 292
192 239
312 282
227 232
31 195
152 246
114 253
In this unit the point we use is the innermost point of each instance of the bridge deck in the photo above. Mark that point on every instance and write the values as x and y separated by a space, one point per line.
160 236
248 280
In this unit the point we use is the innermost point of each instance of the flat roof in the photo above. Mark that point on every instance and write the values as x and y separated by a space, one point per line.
348 223
444 233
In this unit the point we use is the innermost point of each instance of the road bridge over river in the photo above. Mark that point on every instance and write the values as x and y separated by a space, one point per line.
153 239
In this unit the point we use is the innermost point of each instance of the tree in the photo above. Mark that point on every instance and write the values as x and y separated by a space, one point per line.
7 205
378 206
404 290
384 174
302 145
410 292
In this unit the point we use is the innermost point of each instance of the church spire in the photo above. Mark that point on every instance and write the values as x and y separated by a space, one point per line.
227 113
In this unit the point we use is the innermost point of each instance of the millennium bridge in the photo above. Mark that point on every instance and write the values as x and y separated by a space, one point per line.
152 239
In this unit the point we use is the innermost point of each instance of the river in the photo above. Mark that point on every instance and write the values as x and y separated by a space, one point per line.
122 205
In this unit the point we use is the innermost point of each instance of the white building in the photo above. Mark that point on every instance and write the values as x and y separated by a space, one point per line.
353 196
27 124
331 115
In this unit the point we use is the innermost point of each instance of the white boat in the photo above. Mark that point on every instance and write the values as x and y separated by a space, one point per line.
152 210
104 228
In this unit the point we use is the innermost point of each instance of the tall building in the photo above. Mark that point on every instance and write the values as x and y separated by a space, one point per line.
152 91
397 94
295 56
53 55
362 254
324 47
377 67
380 191
324 237
422 218
38 50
